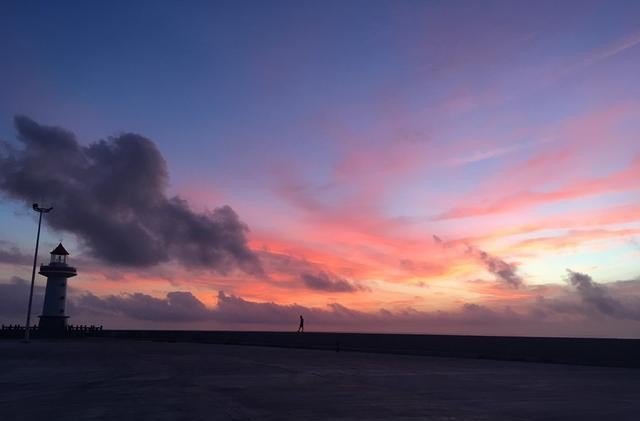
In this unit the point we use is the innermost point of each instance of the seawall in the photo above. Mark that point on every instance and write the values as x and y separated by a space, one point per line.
582 351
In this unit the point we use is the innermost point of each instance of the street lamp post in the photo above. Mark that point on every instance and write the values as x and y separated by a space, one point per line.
33 273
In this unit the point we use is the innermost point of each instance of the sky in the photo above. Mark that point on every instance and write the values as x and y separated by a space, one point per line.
378 166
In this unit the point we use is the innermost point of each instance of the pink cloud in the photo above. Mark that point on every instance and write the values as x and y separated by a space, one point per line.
560 173
625 179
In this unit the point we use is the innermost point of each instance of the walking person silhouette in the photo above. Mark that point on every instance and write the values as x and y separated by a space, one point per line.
301 327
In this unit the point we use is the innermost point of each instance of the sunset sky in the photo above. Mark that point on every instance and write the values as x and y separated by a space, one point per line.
412 166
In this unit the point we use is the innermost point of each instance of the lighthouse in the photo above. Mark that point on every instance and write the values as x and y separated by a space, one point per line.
53 319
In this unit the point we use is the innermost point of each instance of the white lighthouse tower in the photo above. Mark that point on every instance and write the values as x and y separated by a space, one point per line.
53 318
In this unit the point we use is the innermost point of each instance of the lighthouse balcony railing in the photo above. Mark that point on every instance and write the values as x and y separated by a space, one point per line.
57 267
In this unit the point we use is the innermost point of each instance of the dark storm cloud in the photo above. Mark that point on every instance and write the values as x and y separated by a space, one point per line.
599 297
112 195
323 282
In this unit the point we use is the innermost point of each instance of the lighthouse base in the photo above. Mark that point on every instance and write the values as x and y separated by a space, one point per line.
53 325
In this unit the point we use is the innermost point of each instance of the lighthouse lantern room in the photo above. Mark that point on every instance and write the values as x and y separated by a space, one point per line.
53 319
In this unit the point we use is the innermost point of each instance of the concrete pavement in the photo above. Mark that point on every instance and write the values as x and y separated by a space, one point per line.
109 379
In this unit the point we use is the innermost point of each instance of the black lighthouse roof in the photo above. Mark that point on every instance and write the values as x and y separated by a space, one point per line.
60 251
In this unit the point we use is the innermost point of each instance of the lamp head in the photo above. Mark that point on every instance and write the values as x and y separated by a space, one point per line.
41 210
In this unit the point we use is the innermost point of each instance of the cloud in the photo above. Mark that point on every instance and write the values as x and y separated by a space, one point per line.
620 45
13 255
233 309
282 262
571 238
544 317
423 268
176 307
575 310
323 282
291 272
504 271
112 194
183 306
483 155
620 180
598 297
14 297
